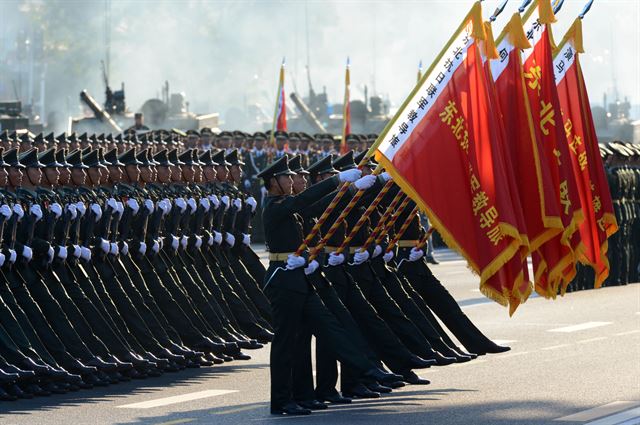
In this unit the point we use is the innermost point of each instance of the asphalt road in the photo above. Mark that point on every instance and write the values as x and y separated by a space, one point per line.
575 360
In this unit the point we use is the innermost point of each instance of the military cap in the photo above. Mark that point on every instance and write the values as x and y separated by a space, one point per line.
145 138
370 162
75 159
305 136
39 138
48 158
206 158
50 138
144 157
91 159
83 138
178 132
322 166
111 158
94 138
161 158
129 157
61 157
73 137
295 164
133 139
219 158
118 138
30 159
234 158
280 134
187 158
62 139
26 137
101 157
4 136
259 135
173 157
206 131
192 133
278 168
109 138
372 136
238 134
345 162
225 134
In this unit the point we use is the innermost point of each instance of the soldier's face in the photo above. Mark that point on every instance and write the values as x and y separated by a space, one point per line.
197 173
280 143
224 142
146 174
259 143
236 173
366 171
176 173
64 175
187 173
209 173
286 184
133 173
15 176
4 177
221 173
52 175
94 175
237 143
104 175
115 174
299 183
35 175
164 174
78 176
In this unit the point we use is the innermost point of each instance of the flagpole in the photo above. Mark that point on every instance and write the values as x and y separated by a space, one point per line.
346 113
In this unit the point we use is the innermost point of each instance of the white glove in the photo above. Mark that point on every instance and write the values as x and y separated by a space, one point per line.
36 211
211 240
160 242
365 182
360 257
295 261
71 208
376 251
62 252
415 254
119 208
192 204
205 204
56 209
133 204
27 252
246 239
111 203
148 204
387 256
251 201
386 177
13 256
125 248
155 247
5 210
237 203
165 206
81 208
77 251
230 239
226 202
312 267
349 175
181 203
104 246
97 211
85 253
198 243
113 248
335 259
2 258
184 241
17 209
217 237
215 201
175 242
143 248
51 254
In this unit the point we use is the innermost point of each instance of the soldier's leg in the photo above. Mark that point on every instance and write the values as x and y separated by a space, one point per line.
302 369
251 287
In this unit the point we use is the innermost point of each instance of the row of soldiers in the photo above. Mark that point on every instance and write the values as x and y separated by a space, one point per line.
363 288
622 165
119 267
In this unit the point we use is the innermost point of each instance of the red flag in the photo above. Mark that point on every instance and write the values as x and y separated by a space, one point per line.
524 151
588 169
443 141
281 110
559 253
346 111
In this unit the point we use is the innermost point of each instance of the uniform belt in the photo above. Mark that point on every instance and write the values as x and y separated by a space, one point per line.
406 243
279 256
330 249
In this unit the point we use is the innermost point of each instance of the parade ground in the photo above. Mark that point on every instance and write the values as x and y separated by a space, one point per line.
573 361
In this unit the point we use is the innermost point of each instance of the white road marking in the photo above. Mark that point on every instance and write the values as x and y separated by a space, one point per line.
580 327
628 332
176 399
555 347
586 341
629 416
598 412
